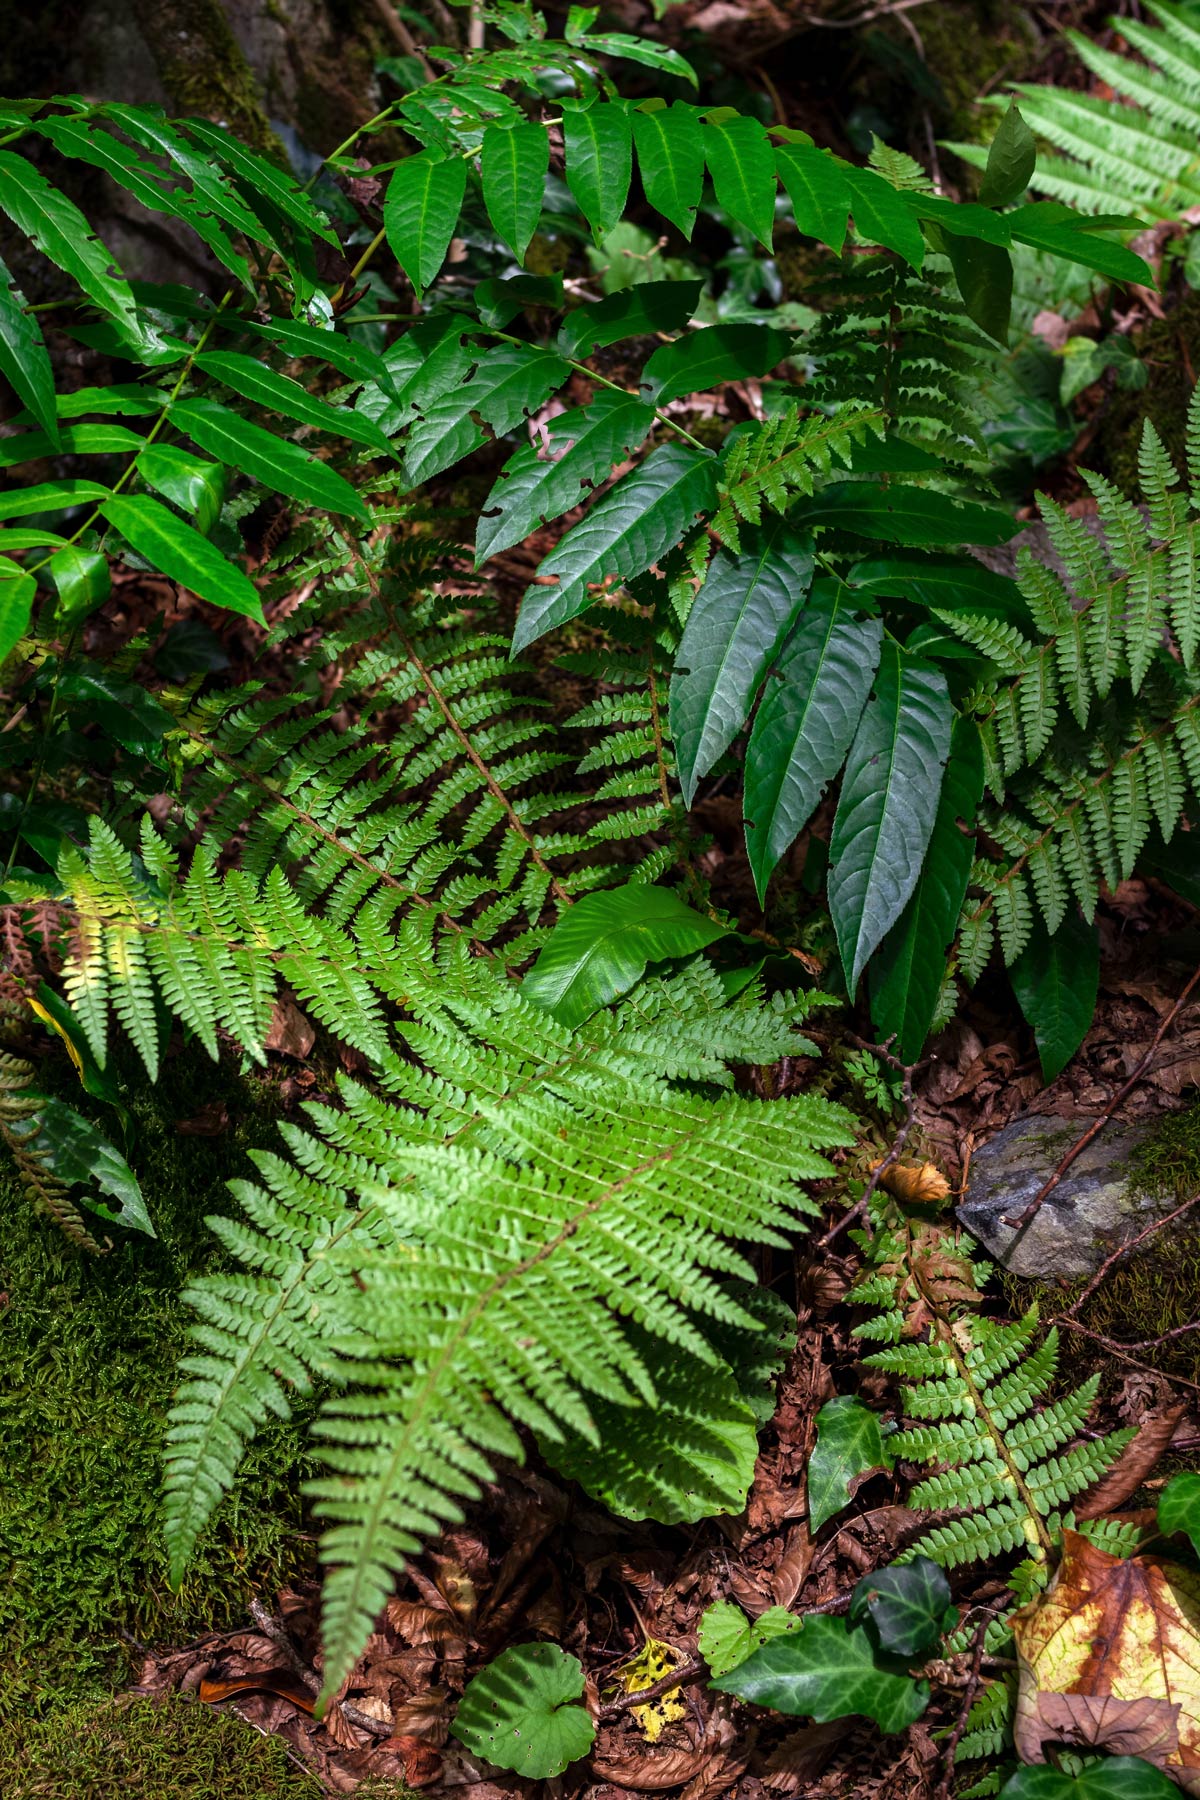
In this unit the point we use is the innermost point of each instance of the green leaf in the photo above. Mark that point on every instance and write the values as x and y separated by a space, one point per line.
76 1153
883 216
825 1671
211 192
61 232
24 358
74 440
1055 980
342 353
899 514
639 50
1011 161
741 161
500 300
888 804
513 163
849 1443
262 177
670 149
703 359
255 382
195 486
957 583
805 724
818 191
641 311
49 496
984 273
517 1713
277 463
908 1605
636 522
17 591
1047 226
601 946
598 141
1116 1778
510 382
178 551
1179 1507
535 486
124 710
738 620
420 212
909 967
727 1637
83 582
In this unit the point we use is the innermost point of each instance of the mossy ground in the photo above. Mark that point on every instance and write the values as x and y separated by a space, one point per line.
88 1355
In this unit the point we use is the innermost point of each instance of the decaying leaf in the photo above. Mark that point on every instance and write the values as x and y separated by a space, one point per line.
933 1274
1110 1659
654 1660
914 1184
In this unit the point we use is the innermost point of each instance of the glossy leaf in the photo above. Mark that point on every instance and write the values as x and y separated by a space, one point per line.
738 620
254 381
518 1712
262 177
818 191
598 142
888 804
1179 1507
1113 1778
17 591
77 1154
899 514
603 944
882 216
513 163
804 726
727 1637
169 544
826 1671
24 358
1011 161
639 50
510 382
278 464
849 1443
195 486
1055 980
908 1606
60 231
83 582
420 212
702 360
741 161
670 150
343 353
958 583
89 439
1047 226
49 496
623 534
646 308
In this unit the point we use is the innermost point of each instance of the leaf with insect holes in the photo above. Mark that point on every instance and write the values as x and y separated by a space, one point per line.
60 231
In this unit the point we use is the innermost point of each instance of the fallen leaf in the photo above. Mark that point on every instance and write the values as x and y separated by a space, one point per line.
280 1682
290 1033
914 1184
422 1763
654 1660
803 1755
651 1774
1132 1466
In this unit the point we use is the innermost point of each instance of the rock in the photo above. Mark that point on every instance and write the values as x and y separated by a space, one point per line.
1093 1209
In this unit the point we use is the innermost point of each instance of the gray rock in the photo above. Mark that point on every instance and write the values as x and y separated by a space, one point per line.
1093 1209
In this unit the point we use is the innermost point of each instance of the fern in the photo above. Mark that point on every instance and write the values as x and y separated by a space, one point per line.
22 1129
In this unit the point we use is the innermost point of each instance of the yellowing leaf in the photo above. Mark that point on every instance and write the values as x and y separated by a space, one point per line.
49 1019
915 1184
1110 1659
654 1660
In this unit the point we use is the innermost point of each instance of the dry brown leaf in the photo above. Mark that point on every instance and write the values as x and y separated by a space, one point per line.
914 1184
290 1033
418 1624
652 1774
280 1682
1132 1466
422 1763
803 1755
1109 1659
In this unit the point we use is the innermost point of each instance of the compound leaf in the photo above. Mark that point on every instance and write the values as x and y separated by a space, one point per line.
24 358
704 359
670 149
741 162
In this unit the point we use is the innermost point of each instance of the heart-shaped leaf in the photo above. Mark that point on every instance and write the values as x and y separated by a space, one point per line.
518 1712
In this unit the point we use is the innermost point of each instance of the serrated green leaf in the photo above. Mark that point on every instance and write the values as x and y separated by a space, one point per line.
670 149
888 804
280 465
513 162
899 514
169 544
727 1637
741 161
825 1671
1179 1507
907 1605
510 382
909 967
279 393
805 724
882 215
60 231
24 358
738 620
984 273
1116 1778
1055 980
818 191
83 582
704 359
76 1153
420 212
1011 161
17 591
517 1713
602 945
195 486
598 142
849 1443
636 522
639 50
646 308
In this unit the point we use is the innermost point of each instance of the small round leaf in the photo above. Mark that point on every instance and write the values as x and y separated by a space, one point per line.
517 1712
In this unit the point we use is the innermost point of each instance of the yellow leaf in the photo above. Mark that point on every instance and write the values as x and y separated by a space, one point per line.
49 1019
654 1660
914 1184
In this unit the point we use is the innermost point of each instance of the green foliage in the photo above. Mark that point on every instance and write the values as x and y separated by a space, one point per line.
727 1637
1179 1506
518 1714
826 1670
1115 1778
849 1443
908 1607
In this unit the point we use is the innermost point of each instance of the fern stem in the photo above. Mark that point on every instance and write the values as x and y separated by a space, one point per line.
656 727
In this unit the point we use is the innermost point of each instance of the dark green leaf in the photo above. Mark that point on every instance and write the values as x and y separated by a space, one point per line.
83 582
704 359
129 715
420 212
907 1604
61 232
984 274
670 148
1179 1507
517 1712
513 163
741 161
739 618
1010 162
639 50
906 515
1048 226
195 486
824 1671
601 946
24 358
499 301
74 1151
280 394
179 551
1116 1778
263 178
882 215
625 533
342 353
849 1444
149 126
17 591
818 191
805 724
888 804
74 440
510 382
1055 980
642 310
277 463
598 141
957 583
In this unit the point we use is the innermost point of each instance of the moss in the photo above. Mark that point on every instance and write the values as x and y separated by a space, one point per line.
161 1750
1170 349
999 45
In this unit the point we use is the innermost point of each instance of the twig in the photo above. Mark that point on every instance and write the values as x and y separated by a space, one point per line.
1124 1250
271 1628
1097 1125
1121 1351
968 1700
685 1675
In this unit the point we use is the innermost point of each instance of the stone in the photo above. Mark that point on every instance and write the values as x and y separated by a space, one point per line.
1094 1208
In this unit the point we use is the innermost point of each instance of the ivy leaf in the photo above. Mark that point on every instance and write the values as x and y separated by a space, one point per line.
744 609
704 359
818 191
190 483
420 212
908 1605
1115 1778
640 311
278 464
741 162
601 946
909 967
804 726
636 522
825 1671
24 358
727 1637
61 232
169 544
535 486
253 381
849 1443
598 144
888 804
900 514
83 581
883 216
670 149
1056 980
1179 1507
513 162
984 273
17 591
77 1154
517 1713
1011 161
